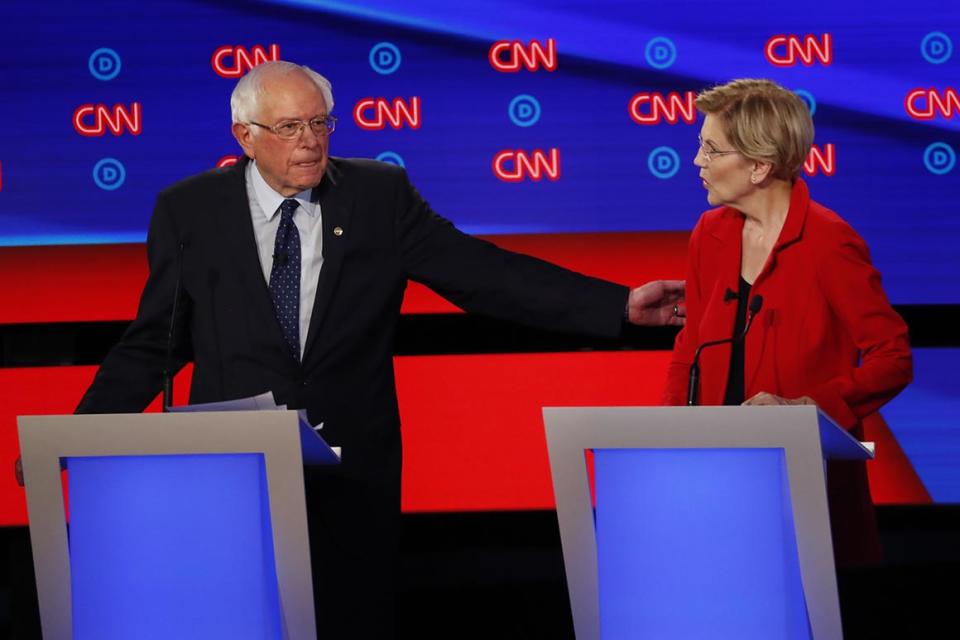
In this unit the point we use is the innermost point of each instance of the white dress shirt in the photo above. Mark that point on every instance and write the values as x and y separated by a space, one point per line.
264 209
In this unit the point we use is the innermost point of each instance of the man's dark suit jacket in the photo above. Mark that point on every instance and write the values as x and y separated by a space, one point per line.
377 233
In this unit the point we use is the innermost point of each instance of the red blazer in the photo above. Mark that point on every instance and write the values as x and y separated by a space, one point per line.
826 330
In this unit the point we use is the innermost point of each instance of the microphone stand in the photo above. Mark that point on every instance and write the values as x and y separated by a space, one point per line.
693 383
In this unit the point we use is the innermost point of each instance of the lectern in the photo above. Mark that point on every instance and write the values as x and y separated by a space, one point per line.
180 525
702 522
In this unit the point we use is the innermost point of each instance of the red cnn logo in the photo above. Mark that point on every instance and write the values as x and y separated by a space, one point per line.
507 56
924 104
233 61
373 114
515 166
783 51
93 120
227 161
821 160
652 108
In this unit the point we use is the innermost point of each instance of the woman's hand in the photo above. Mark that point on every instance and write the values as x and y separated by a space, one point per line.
768 399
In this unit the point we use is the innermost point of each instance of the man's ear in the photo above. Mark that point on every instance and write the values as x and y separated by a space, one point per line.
244 136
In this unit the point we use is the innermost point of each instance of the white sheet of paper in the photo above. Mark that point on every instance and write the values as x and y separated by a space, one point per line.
262 402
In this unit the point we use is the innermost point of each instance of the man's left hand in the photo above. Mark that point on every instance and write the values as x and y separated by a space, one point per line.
658 303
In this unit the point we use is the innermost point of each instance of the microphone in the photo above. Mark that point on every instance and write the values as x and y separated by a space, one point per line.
280 258
729 295
694 381
171 334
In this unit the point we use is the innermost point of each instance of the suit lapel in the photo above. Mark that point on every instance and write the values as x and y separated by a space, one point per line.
791 233
336 204
720 314
728 269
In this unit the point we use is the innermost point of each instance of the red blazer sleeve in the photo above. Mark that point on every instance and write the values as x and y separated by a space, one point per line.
852 286
685 345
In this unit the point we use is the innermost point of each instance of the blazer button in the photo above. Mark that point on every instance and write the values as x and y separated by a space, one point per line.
338 231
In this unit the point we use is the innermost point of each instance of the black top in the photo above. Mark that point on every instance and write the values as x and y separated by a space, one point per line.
735 391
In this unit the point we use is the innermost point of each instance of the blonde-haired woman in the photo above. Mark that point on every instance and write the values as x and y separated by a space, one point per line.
825 333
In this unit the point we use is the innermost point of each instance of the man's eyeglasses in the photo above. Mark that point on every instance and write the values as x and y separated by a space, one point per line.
710 154
291 129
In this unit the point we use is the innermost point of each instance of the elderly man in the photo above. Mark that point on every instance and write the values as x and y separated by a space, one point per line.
293 266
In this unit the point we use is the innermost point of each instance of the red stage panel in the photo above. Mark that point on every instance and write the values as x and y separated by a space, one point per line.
71 283
103 282
472 428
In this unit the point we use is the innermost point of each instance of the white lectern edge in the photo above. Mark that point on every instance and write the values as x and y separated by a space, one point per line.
798 430
45 440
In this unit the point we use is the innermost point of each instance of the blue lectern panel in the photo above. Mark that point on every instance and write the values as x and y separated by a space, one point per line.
697 543
172 547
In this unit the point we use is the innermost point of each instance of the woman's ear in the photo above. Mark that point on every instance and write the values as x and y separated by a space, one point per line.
760 171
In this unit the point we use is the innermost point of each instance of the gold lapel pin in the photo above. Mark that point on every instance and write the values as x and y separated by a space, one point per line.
338 231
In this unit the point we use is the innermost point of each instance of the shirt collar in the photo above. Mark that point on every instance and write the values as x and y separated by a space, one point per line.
269 200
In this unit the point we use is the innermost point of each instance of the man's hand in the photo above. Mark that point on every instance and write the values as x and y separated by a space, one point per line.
768 399
658 303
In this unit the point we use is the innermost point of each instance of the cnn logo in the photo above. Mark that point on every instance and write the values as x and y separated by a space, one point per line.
373 114
788 50
653 108
821 160
926 104
231 61
94 120
517 166
509 56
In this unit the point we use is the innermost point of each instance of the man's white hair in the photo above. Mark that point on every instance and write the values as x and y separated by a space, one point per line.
245 99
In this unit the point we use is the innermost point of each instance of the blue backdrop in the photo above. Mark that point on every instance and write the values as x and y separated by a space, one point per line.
894 178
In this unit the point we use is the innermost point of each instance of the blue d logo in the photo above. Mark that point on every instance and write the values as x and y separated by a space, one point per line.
939 158
109 174
384 58
104 64
660 52
936 47
663 162
391 157
524 110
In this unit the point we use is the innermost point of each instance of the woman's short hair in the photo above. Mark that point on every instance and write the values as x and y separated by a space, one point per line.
763 121
245 99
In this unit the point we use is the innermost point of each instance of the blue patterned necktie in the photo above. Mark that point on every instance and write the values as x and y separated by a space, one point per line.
285 277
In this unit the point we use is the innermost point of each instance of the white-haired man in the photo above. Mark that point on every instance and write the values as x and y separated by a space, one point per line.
293 268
